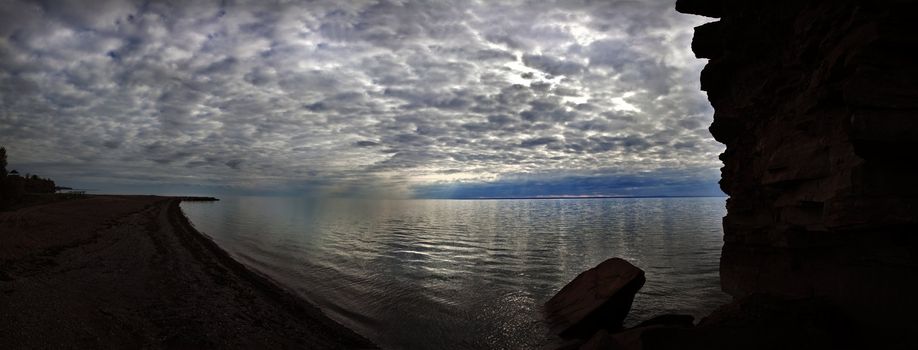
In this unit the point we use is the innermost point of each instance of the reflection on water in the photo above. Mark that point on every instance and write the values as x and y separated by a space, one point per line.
468 274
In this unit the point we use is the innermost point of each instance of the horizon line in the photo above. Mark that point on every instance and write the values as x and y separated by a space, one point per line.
580 197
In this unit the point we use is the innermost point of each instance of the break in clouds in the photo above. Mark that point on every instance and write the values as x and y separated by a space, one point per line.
406 98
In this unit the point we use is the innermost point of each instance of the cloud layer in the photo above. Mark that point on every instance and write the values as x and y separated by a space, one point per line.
386 97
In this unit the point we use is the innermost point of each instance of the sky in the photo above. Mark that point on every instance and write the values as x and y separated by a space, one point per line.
430 99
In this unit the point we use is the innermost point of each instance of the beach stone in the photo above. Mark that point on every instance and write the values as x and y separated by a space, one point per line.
598 298
632 337
602 340
669 320
761 322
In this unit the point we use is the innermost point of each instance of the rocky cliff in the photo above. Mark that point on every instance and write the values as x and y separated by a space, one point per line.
817 102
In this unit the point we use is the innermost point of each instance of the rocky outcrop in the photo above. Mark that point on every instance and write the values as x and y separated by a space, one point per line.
817 103
597 299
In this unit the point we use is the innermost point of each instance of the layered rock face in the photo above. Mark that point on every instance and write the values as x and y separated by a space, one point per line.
817 102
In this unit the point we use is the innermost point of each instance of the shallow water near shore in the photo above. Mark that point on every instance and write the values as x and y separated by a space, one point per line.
468 274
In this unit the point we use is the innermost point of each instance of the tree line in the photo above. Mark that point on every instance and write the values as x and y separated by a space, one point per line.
13 186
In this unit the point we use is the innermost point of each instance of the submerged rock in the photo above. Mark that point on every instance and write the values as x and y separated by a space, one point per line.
597 299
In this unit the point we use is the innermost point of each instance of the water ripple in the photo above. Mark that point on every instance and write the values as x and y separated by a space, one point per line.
468 274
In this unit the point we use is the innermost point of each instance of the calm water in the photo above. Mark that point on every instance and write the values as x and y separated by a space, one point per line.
468 274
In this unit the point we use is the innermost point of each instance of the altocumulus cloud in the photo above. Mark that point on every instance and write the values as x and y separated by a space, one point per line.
404 98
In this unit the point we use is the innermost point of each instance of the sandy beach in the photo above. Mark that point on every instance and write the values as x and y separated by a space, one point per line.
131 272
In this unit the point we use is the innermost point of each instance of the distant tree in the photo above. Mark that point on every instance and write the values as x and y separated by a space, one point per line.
35 184
2 162
4 195
12 188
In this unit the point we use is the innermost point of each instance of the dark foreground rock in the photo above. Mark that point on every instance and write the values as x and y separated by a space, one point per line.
755 322
669 320
764 322
632 338
598 298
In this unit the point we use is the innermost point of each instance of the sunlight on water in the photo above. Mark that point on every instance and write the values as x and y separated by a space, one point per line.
468 274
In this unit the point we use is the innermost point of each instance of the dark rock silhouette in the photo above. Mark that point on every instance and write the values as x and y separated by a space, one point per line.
762 322
632 338
817 103
598 298
669 320
813 100
599 341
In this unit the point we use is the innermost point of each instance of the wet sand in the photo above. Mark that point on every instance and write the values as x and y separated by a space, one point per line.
131 272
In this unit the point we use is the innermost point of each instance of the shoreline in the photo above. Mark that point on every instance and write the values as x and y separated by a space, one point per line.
267 285
132 271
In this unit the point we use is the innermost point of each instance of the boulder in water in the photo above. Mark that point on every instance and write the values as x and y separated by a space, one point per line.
598 298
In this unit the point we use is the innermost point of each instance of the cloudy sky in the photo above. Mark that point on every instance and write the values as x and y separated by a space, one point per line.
379 98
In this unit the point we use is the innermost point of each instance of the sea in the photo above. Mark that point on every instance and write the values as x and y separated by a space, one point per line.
468 274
